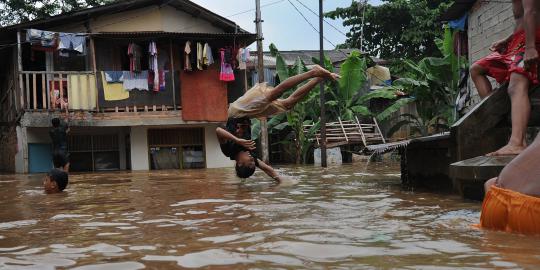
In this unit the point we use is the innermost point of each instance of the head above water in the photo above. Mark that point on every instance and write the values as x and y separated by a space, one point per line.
55 181
245 164
55 122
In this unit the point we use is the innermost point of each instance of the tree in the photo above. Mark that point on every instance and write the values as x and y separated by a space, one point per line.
17 11
396 29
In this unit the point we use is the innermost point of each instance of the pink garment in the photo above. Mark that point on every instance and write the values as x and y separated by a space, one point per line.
227 72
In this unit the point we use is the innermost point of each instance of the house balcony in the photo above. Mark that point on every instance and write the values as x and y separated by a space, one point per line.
88 104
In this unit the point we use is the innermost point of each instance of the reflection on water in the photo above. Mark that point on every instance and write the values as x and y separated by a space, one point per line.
341 217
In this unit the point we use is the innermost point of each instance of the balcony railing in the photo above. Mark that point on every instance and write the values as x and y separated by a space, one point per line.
44 90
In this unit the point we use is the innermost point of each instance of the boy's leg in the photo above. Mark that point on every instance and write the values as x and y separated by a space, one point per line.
478 75
300 93
518 89
291 82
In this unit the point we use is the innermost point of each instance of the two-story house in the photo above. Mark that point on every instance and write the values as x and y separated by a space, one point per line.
135 98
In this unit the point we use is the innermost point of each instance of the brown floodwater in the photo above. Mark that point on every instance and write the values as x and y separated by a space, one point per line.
348 217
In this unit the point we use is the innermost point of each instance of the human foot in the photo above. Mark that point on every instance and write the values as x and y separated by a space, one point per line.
508 150
318 71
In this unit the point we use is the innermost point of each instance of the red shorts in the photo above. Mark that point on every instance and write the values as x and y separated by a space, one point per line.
501 66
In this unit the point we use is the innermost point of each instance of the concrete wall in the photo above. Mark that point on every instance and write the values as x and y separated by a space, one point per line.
152 18
489 21
139 149
214 156
174 20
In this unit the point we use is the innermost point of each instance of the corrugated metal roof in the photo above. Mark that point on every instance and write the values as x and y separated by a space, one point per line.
336 56
121 6
172 34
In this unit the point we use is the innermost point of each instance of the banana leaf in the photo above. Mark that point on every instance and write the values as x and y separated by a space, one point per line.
394 108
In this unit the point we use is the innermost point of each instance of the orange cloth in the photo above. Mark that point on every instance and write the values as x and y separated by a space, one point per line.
510 211
204 96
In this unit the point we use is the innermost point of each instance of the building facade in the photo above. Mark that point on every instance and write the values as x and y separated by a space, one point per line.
170 126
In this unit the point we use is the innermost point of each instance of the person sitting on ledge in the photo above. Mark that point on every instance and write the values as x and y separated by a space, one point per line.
512 201
514 60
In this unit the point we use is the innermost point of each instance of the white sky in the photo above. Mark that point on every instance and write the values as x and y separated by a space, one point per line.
282 24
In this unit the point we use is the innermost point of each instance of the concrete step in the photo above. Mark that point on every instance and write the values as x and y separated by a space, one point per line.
470 175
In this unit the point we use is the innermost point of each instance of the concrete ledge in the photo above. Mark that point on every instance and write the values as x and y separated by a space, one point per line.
112 119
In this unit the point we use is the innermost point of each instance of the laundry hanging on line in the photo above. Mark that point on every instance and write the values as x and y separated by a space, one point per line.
134 80
70 42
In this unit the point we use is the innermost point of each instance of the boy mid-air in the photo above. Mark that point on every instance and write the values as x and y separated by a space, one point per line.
262 101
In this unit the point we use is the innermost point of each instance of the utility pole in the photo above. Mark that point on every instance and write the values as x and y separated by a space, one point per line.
260 71
321 86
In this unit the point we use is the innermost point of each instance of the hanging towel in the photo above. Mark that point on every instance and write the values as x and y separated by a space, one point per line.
113 91
82 92
199 56
137 81
187 53
160 78
114 76
208 58
72 42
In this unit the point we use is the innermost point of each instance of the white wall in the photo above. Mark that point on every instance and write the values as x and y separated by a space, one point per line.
139 149
20 161
214 156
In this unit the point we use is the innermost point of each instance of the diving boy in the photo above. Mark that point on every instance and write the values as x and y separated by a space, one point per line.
262 101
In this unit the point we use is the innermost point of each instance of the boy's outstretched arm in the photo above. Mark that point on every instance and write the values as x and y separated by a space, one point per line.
268 170
224 136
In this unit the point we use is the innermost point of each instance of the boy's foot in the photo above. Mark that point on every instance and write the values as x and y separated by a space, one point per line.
318 71
508 150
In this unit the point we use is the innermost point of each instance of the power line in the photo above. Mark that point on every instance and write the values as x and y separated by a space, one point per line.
312 26
250 10
331 25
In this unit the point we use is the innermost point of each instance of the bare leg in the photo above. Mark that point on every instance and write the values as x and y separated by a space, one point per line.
291 82
518 89
522 173
478 75
488 184
300 93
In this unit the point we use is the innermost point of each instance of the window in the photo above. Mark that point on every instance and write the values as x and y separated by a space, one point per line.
181 148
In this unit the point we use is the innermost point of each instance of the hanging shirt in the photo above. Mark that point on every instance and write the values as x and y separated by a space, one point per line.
153 64
187 52
134 53
71 42
240 58
245 56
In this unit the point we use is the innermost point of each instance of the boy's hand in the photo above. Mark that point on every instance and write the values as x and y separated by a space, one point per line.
248 144
499 46
531 58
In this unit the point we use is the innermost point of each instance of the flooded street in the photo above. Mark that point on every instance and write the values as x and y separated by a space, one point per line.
343 217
